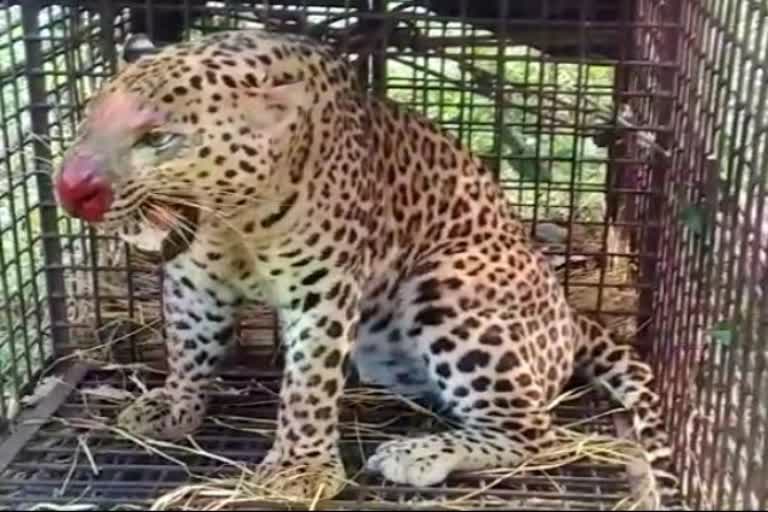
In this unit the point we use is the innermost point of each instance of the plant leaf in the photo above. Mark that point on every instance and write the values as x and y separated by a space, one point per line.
693 217
527 164
723 334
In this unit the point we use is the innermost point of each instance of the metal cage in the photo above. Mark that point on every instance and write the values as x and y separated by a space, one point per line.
629 134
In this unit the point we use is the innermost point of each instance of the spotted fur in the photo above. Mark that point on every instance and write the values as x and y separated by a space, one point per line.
256 166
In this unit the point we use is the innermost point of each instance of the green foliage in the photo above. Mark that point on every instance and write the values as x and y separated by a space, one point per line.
723 334
693 217
536 135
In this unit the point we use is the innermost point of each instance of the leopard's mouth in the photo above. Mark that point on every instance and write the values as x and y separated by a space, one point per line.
179 223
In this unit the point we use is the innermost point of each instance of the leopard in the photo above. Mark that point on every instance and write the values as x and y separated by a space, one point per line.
254 164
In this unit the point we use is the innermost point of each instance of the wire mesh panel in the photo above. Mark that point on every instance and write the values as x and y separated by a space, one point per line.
538 105
24 344
711 322
629 135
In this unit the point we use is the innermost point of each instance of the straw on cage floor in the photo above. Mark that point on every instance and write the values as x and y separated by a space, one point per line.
79 461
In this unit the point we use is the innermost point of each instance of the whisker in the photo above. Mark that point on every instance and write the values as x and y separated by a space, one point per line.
179 227
185 201
215 213
171 196
48 169
182 230
143 218
229 194
41 140
182 227
182 201
228 223
216 210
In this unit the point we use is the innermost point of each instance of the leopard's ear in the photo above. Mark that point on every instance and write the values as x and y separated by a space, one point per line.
273 106
134 47
286 95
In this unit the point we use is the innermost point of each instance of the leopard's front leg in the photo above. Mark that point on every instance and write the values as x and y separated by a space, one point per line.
199 325
318 329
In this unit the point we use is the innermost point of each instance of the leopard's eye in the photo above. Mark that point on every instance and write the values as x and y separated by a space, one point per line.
158 140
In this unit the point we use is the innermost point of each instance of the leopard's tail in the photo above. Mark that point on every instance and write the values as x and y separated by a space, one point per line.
619 370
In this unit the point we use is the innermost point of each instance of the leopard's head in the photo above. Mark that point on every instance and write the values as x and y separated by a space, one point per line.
192 133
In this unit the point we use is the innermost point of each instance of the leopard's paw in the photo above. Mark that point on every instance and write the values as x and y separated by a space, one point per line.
420 462
299 480
160 415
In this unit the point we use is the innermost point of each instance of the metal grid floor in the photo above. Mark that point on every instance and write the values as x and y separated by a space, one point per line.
44 461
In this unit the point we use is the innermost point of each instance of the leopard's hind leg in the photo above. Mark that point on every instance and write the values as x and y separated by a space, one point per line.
618 369
494 366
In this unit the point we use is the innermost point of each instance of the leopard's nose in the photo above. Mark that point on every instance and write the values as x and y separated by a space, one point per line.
83 190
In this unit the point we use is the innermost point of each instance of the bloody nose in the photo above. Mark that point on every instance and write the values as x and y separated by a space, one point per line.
83 190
